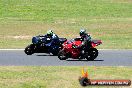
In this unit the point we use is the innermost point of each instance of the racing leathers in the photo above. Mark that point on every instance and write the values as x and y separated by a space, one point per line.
86 44
86 41
53 39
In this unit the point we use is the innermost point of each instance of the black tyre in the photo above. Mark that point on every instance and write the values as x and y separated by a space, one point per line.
84 81
62 55
29 50
92 54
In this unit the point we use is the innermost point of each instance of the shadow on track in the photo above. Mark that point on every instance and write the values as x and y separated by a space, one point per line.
45 55
83 60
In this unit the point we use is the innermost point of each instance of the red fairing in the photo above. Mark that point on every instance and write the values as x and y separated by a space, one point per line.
67 46
75 52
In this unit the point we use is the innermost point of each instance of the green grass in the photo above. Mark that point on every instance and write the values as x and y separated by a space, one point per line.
56 77
108 20
114 34
50 10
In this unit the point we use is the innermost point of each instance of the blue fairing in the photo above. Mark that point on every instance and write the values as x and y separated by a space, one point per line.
35 40
52 42
53 46
44 43
49 44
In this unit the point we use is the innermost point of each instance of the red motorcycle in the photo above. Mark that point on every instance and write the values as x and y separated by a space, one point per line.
69 50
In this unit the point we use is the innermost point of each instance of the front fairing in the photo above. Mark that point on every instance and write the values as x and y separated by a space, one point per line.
68 47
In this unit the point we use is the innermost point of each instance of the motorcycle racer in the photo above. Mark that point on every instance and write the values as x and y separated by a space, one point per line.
85 38
48 43
86 42
51 34
53 37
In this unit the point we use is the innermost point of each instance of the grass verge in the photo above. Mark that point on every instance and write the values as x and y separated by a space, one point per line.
114 33
55 76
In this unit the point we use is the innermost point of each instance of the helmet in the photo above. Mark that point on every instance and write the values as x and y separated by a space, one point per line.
82 32
49 32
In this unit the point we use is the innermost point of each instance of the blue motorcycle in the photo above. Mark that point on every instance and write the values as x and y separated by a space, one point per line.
42 44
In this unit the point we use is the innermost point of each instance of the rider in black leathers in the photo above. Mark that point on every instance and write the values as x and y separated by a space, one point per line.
85 38
86 42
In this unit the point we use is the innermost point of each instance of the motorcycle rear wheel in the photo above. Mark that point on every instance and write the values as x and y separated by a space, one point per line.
62 55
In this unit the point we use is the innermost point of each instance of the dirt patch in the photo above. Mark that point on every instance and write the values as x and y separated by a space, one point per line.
20 37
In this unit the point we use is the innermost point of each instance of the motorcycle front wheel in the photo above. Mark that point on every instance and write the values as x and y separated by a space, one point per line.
92 54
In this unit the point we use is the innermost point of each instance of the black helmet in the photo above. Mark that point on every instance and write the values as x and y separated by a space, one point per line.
82 32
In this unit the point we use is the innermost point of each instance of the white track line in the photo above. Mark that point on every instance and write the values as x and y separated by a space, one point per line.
114 49
11 49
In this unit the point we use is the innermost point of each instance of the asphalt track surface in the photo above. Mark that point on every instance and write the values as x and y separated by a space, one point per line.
105 58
